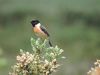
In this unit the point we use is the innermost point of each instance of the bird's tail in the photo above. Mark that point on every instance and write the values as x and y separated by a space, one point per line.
50 43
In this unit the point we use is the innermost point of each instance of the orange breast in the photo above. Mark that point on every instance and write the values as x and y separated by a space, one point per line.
36 30
39 33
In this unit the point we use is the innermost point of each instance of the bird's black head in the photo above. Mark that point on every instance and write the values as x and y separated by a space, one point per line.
34 22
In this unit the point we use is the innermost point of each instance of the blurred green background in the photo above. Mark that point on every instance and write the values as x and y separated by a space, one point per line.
74 25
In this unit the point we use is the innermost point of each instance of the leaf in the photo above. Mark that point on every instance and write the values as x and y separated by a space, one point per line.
37 42
32 41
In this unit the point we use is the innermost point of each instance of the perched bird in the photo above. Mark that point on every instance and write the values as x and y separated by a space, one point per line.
40 31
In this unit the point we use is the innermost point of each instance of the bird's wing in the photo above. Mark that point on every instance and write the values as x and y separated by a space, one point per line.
44 30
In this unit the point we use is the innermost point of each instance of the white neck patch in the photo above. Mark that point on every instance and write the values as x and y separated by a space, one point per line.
38 25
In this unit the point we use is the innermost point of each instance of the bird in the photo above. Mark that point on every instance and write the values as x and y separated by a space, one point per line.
40 30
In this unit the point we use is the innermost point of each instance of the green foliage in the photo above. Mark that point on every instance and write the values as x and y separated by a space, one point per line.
41 61
46 52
